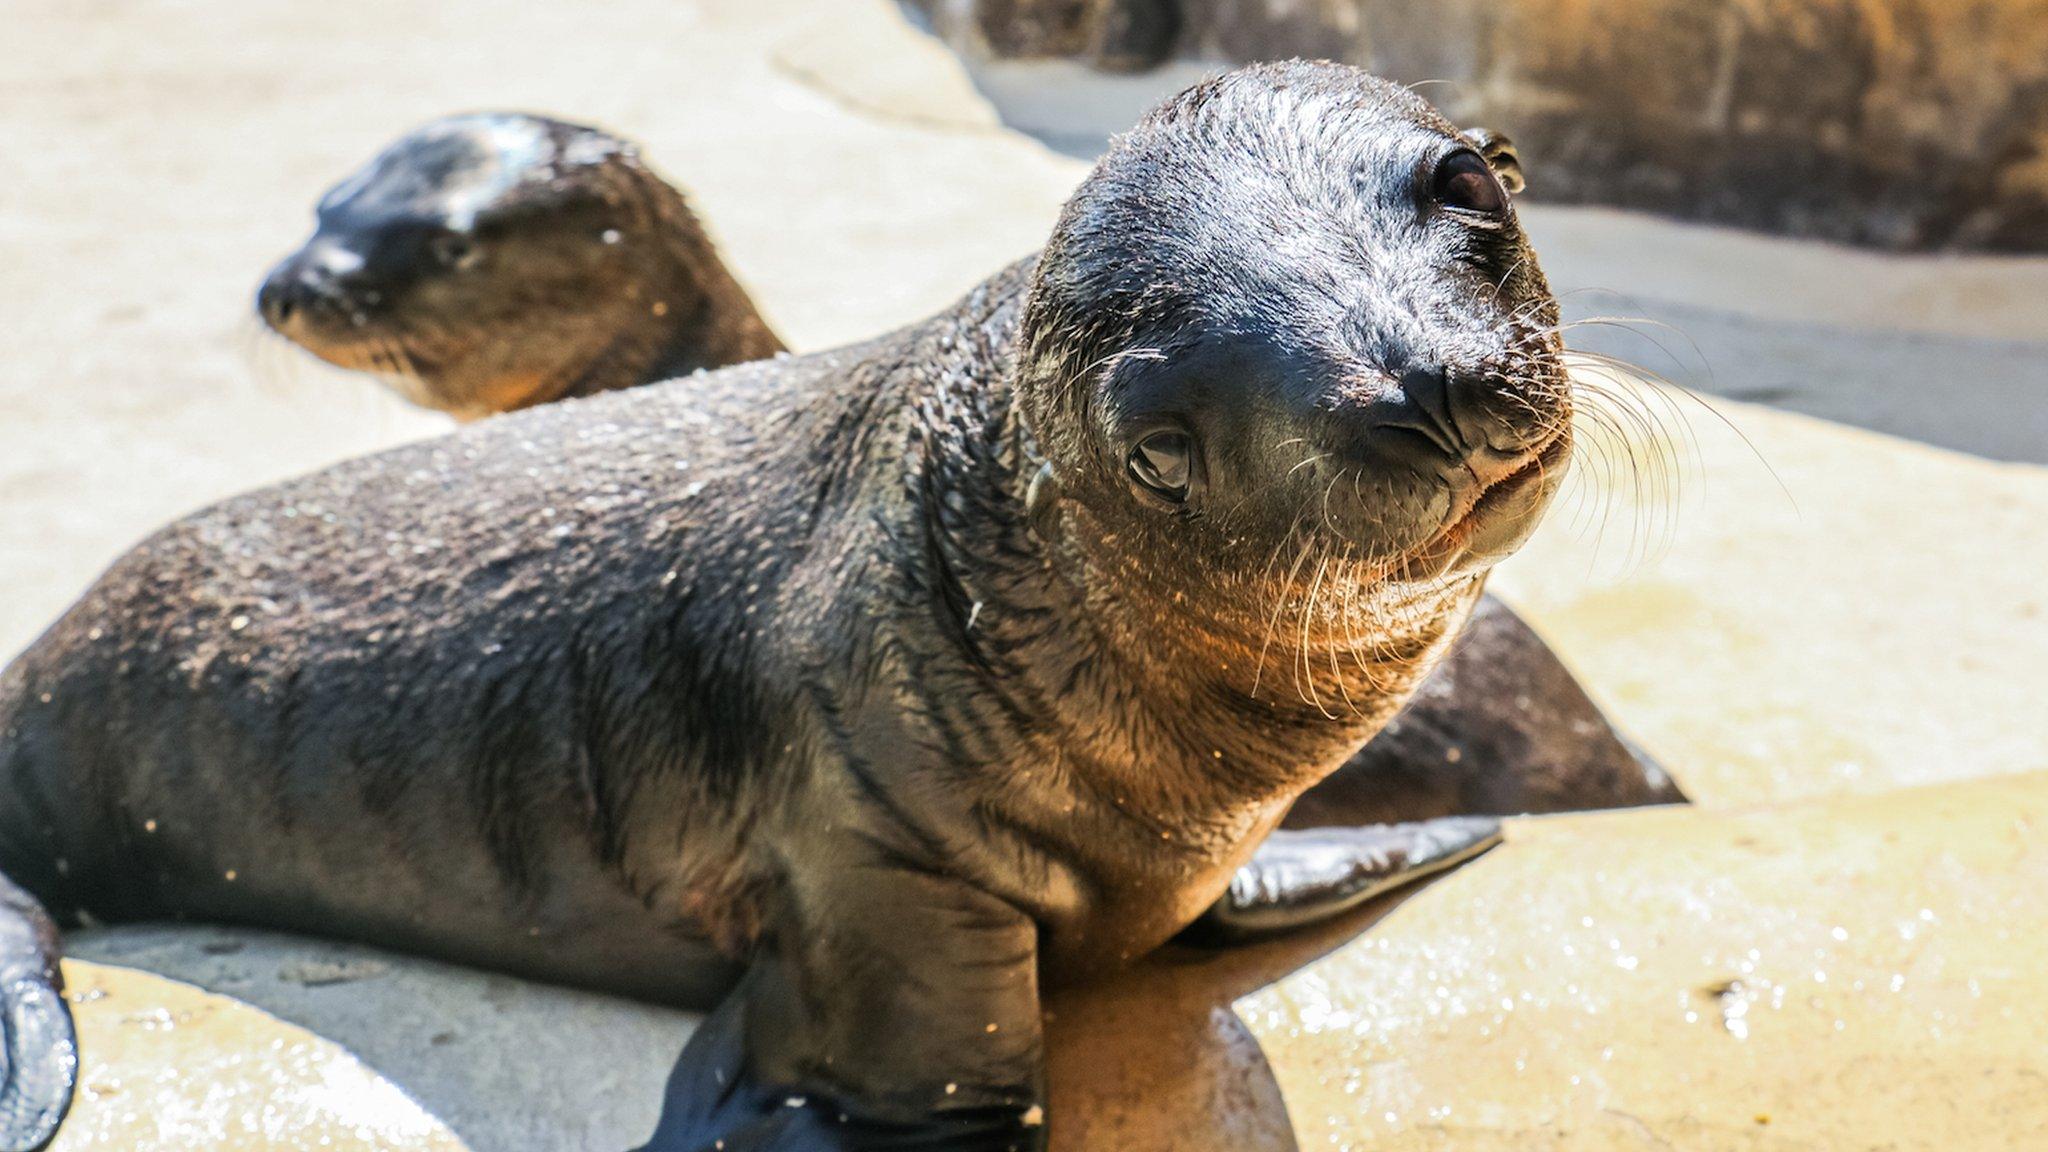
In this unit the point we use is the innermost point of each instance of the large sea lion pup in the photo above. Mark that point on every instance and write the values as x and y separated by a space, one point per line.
495 260
864 692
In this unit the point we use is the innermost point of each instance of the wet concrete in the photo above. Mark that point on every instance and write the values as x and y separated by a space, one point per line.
1740 978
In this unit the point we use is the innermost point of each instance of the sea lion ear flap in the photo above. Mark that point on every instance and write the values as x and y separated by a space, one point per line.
1042 504
1500 156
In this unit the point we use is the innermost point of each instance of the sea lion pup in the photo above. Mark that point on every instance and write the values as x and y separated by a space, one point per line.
495 261
867 689
1525 739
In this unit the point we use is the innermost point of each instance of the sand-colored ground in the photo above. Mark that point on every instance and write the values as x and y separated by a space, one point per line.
175 1067
1835 616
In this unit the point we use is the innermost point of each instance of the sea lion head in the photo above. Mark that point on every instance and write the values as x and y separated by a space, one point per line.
1290 325
484 262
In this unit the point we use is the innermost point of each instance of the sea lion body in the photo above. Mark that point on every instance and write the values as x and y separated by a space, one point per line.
891 681
335 736
494 261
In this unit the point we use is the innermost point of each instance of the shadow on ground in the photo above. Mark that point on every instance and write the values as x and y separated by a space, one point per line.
1150 1061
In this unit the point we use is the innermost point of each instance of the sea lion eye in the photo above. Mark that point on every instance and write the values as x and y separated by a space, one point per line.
454 250
1164 463
1464 181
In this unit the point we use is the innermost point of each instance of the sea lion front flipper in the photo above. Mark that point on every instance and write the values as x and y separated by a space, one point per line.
1304 877
910 1019
38 1048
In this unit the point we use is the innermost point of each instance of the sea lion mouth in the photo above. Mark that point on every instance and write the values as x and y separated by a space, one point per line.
1499 517
1542 462
370 348
384 355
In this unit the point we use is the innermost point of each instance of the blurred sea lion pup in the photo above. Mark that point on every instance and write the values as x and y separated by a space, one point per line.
860 692
495 261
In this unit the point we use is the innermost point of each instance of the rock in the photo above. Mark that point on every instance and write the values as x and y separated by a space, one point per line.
1114 35
1902 124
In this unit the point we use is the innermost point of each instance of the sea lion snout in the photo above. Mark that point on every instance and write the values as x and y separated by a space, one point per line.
324 275
1446 452
1465 427
1234 418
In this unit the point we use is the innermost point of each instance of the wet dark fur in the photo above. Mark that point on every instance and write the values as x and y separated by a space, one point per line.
770 667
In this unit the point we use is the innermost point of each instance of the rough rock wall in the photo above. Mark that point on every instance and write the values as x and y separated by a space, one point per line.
1898 123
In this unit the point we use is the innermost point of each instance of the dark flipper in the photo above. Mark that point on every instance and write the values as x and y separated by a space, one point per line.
38 1049
1299 878
1500 728
912 1024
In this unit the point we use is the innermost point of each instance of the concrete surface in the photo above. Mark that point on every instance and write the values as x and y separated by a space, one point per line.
1814 610
165 1065
1845 616
1851 974
511 1066
1848 973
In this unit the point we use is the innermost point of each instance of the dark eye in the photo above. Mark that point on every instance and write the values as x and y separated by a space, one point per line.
1464 182
1163 462
454 250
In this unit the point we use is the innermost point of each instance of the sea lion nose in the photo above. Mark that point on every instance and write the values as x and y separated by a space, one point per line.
1439 423
277 298
321 271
